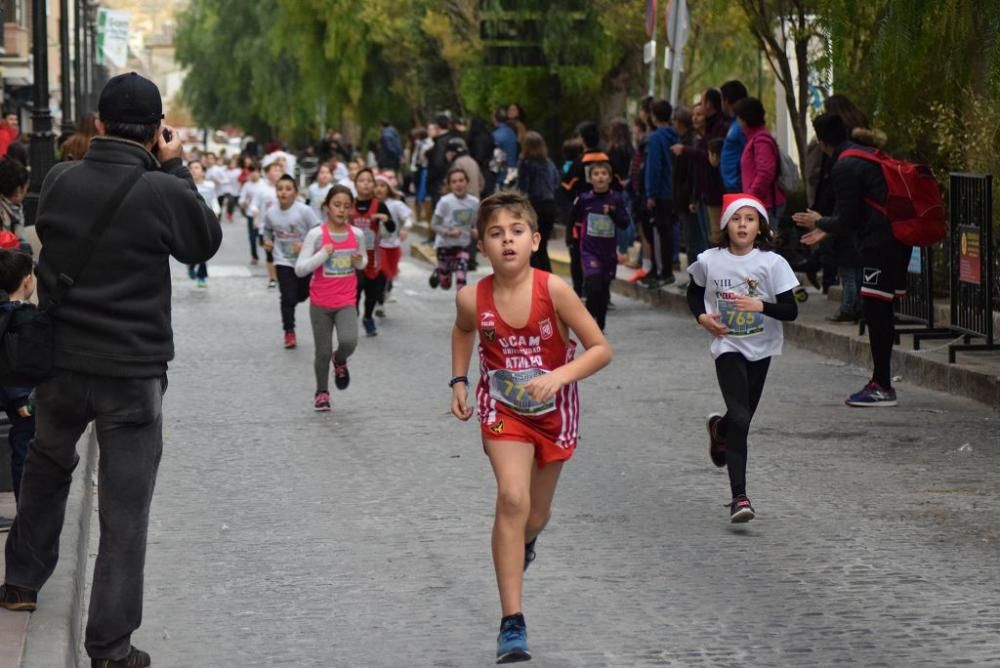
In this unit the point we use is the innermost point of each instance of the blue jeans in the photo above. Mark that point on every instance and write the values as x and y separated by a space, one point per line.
850 283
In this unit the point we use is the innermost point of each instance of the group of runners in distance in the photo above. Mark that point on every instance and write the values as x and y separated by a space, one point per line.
338 246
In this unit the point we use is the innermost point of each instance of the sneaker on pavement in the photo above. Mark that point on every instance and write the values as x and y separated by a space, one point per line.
341 376
716 444
512 642
191 273
17 598
370 328
321 403
639 274
290 341
669 279
740 510
271 284
650 281
380 311
434 279
873 395
201 283
529 552
6 523
136 659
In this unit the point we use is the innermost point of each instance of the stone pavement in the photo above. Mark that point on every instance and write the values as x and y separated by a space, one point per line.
361 538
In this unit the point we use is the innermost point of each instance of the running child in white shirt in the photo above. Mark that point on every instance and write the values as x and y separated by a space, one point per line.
199 272
285 228
390 243
265 197
740 292
248 191
454 226
317 190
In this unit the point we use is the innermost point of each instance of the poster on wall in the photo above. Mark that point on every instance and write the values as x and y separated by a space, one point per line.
969 265
112 37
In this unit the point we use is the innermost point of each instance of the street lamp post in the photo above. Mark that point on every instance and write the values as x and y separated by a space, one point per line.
64 68
42 149
78 34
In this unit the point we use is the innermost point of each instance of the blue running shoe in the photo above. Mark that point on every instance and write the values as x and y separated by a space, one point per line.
740 510
873 395
529 552
512 643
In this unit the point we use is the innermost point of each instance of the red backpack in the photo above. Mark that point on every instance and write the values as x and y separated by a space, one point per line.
913 201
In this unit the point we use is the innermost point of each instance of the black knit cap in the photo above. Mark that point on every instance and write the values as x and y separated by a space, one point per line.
130 98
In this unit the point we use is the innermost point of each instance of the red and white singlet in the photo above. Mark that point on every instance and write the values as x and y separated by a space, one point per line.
367 223
509 357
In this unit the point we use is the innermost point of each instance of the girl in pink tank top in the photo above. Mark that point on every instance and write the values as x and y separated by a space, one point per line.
333 253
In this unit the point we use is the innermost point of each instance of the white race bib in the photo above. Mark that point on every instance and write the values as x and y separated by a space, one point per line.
600 225
507 387
339 264
740 323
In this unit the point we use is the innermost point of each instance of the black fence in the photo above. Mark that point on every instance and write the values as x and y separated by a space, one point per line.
973 262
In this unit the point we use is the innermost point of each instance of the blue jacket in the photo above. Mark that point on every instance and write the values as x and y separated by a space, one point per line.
13 397
660 164
506 139
729 161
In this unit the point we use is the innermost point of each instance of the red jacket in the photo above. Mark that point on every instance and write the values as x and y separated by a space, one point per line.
759 167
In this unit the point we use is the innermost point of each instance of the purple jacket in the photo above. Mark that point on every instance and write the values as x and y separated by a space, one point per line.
596 216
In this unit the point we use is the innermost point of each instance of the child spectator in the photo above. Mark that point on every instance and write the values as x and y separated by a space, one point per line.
17 283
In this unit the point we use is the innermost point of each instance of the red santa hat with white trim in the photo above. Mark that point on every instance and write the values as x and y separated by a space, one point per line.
732 202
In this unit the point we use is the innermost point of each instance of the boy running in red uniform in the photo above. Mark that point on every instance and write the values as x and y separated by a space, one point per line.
526 396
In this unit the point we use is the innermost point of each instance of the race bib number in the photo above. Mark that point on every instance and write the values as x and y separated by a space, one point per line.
287 248
339 264
369 238
463 219
740 323
600 225
507 387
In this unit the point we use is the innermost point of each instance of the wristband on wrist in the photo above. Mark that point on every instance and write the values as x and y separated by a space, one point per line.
458 379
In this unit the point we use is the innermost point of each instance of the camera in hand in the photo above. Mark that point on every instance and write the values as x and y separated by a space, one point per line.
167 135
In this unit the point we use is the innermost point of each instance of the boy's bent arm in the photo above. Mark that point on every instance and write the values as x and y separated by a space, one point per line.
571 311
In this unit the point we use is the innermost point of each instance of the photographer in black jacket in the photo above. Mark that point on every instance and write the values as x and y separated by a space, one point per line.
113 340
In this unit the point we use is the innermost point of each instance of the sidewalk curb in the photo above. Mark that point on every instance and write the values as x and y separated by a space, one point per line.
926 372
923 371
55 629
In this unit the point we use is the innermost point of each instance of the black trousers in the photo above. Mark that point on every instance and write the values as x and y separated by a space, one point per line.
546 211
742 383
597 296
128 418
371 288
294 291
663 228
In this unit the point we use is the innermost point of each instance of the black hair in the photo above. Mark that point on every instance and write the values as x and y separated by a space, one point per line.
442 121
646 103
13 175
361 171
589 133
141 133
714 97
290 179
662 111
750 110
733 91
500 115
338 189
15 265
715 145
765 235
830 129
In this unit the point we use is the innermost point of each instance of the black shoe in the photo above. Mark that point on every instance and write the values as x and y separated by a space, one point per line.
136 659
667 280
341 376
434 279
814 279
650 281
17 598
529 552
716 444
5 524
740 510
840 316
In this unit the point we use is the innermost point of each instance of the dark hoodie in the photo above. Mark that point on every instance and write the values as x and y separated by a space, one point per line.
115 321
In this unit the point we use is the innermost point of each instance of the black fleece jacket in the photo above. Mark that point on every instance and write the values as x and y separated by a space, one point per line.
115 321
855 180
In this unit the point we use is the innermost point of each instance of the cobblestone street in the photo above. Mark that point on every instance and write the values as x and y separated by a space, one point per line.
284 537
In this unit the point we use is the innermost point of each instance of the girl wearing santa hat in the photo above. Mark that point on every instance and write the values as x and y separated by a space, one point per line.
740 292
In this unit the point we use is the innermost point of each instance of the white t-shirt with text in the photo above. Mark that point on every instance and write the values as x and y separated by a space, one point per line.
760 274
